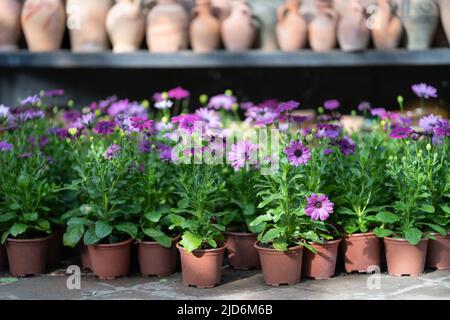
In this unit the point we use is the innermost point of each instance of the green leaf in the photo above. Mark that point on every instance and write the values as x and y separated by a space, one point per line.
165 241
350 229
102 229
73 235
344 210
7 216
153 216
44 224
261 219
212 243
249 209
15 206
437 228
90 237
183 204
190 241
33 216
280 244
271 234
85 209
153 233
128 228
8 280
426 208
413 235
387 217
77 220
18 229
381 233
445 208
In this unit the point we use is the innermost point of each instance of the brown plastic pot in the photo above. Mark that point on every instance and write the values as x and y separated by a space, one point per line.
27 256
439 253
241 251
201 268
361 251
321 265
110 261
279 267
156 260
405 259
55 248
3 258
85 259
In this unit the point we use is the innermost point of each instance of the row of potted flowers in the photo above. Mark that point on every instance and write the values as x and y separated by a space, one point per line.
272 189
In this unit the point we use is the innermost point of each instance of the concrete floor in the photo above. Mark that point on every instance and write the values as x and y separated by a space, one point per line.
246 285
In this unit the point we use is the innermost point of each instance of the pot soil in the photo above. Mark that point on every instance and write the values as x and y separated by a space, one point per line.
280 268
405 259
85 259
3 258
110 261
27 256
321 265
361 251
202 268
156 260
241 251
439 253
55 248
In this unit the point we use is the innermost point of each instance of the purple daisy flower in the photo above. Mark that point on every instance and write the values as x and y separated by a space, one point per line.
331 104
30 100
71 116
162 126
145 146
87 120
5 146
297 153
54 93
112 152
62 133
401 133
347 146
222 101
287 106
187 122
241 153
246 105
118 107
269 104
164 151
319 207
329 131
210 118
328 151
105 127
425 91
179 93
141 124
429 123
158 96
364 106
301 118
379 112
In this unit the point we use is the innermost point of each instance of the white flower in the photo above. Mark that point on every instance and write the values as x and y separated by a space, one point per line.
164 104
4 111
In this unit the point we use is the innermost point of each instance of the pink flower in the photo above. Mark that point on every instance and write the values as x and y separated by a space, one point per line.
319 207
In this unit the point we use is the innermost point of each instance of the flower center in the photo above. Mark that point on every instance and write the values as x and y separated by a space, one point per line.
318 205
298 153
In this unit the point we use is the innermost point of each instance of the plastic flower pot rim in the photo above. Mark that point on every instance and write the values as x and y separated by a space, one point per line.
240 234
26 241
402 240
359 235
275 251
204 251
155 243
110 245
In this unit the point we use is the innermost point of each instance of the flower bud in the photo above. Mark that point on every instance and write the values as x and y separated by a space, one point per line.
70 103
68 140
235 107
72 131
145 104
97 113
165 95
321 110
428 147
228 92
203 99
400 100
165 120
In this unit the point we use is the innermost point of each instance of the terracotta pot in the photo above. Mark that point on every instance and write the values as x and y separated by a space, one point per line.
110 261
387 28
321 265
201 268
204 30
86 22
238 29
125 24
361 251
420 19
444 7
167 27
55 245
266 14
43 23
27 256
85 259
292 30
322 31
405 259
241 251
3 258
439 253
9 24
353 34
281 267
156 260
222 7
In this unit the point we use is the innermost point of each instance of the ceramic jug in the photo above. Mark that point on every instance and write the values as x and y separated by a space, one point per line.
444 7
353 33
341 6
238 29
167 27
322 30
292 30
420 19
222 8
9 24
265 12
204 30
86 23
43 23
125 24
386 27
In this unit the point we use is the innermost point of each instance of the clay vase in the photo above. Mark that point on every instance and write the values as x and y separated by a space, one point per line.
202 268
156 260
241 251
420 19
9 24
360 252
204 30
43 23
353 34
125 24
322 31
87 24
238 29
444 7
292 30
110 261
321 265
222 7
265 13
3 258
387 28
27 256
405 259
281 267
167 27
85 259
55 245
439 253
